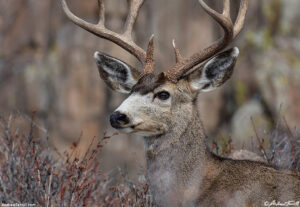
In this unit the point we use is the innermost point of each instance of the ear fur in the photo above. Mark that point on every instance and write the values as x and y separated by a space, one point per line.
215 72
118 75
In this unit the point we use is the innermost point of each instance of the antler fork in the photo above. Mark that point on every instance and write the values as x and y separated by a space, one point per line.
230 32
124 40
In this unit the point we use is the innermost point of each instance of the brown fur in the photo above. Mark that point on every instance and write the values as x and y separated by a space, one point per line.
183 172
148 83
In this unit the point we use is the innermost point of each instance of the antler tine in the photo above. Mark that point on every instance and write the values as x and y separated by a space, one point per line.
230 32
240 20
101 13
124 41
223 20
226 10
178 56
135 6
150 57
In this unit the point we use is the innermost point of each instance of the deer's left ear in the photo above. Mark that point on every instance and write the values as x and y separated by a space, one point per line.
215 72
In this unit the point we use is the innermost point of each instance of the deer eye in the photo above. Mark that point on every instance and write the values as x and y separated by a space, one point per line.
163 95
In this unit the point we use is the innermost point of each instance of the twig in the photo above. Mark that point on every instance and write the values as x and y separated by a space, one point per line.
30 119
49 188
287 126
259 142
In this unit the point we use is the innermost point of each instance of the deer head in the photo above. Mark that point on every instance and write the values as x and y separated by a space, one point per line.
157 102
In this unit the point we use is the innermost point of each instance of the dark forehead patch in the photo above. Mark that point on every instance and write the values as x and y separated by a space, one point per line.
148 83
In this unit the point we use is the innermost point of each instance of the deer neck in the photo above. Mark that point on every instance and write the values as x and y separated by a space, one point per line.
177 157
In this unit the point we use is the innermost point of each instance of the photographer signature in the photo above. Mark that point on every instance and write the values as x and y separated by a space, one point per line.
278 203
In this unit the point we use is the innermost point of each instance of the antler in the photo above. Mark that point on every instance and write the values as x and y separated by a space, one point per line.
230 32
149 66
124 40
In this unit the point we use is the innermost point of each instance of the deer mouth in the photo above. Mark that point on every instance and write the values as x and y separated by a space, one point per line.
143 129
129 129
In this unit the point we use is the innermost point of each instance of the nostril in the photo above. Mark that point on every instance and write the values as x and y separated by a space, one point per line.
117 119
123 119
114 121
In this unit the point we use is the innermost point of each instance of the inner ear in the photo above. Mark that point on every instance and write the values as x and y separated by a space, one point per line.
215 72
118 75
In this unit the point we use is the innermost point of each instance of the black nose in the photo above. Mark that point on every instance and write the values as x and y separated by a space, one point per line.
117 119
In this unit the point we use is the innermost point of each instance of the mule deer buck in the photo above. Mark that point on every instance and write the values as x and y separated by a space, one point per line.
161 107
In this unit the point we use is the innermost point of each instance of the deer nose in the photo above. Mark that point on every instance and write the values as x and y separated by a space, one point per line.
118 119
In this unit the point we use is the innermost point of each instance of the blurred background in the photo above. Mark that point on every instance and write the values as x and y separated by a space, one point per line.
47 66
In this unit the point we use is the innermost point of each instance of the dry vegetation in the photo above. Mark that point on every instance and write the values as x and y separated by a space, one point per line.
30 174
280 147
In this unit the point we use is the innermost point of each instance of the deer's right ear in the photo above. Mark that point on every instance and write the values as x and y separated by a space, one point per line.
215 72
118 75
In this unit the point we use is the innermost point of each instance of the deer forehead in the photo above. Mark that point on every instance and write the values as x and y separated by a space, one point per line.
151 83
148 83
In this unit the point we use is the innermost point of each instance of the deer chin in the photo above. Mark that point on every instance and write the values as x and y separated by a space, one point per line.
144 129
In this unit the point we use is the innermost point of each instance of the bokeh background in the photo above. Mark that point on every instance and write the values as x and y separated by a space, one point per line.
46 65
